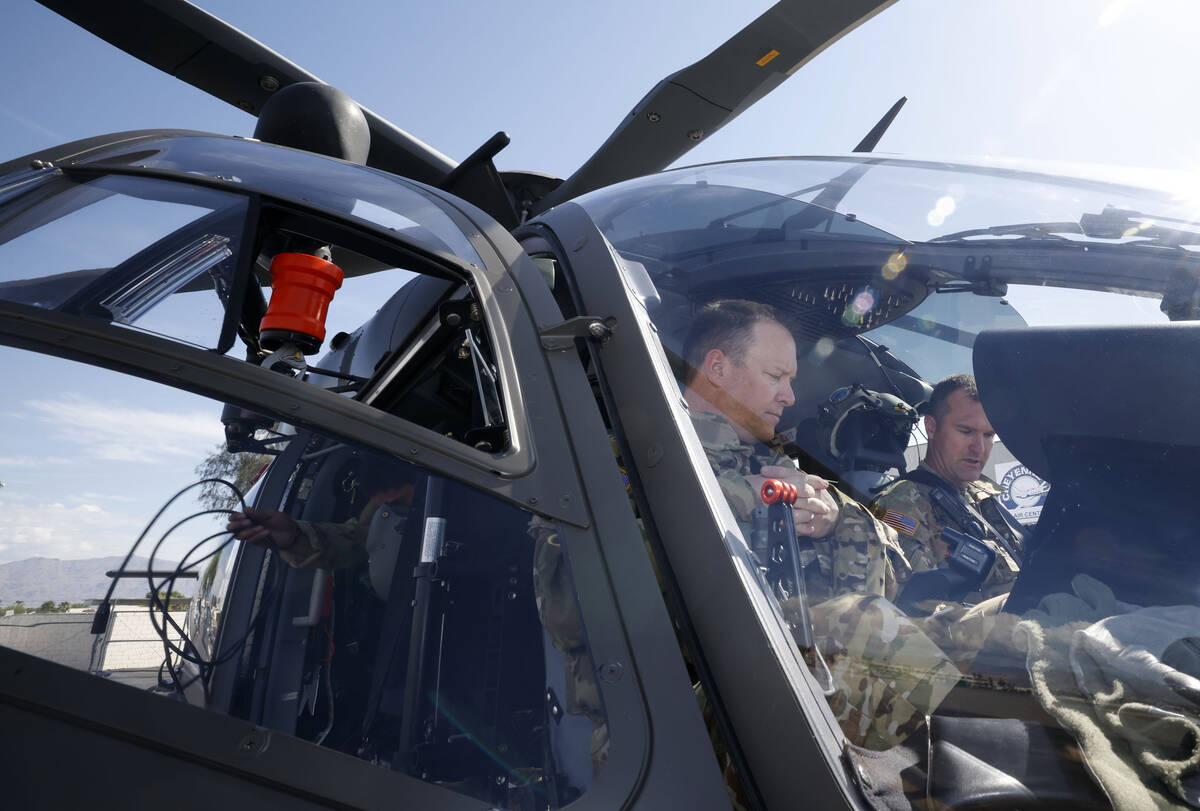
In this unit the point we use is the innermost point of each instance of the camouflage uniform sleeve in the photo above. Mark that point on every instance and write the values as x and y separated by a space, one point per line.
559 613
923 548
552 588
888 675
853 557
329 545
729 459
741 496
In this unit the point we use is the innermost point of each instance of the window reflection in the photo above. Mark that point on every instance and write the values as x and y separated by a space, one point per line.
141 253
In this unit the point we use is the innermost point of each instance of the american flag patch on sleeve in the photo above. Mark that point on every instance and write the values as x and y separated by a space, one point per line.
900 522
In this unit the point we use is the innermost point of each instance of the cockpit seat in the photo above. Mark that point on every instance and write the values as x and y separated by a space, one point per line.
1001 763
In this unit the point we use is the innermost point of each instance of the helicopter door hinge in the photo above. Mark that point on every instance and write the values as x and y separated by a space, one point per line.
562 336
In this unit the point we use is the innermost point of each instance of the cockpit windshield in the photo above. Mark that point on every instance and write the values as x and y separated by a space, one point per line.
922 390
908 200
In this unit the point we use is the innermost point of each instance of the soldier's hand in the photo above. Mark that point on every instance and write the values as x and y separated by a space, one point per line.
264 528
815 512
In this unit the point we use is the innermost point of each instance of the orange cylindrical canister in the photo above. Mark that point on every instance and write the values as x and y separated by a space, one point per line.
302 287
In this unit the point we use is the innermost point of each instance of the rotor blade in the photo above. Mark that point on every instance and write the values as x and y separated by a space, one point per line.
868 143
207 52
690 105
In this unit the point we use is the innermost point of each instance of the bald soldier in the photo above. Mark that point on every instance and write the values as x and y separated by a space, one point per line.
741 365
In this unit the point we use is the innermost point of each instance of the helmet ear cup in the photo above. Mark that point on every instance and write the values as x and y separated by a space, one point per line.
864 426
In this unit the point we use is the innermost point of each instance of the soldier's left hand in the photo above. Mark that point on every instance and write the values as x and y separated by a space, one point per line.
815 512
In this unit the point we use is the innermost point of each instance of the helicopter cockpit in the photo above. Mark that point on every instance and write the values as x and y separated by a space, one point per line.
891 275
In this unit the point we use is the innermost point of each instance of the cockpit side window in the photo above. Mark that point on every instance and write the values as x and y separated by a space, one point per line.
414 612
228 272
65 246
446 631
390 614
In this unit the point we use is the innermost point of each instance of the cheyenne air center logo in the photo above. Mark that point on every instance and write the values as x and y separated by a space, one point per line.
1024 492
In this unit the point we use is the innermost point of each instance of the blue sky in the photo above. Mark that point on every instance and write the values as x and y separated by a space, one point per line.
1099 81
1059 80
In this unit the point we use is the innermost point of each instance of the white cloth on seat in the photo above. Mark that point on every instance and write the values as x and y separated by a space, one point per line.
1125 681
1130 667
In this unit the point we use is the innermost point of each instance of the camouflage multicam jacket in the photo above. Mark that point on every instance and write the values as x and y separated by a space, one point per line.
851 558
924 549
559 612
331 545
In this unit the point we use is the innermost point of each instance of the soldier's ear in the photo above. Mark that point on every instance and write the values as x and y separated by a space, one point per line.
715 364
930 425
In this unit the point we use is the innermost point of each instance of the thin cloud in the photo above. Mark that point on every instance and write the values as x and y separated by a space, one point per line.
112 431
31 461
30 124
55 530
1113 12
90 497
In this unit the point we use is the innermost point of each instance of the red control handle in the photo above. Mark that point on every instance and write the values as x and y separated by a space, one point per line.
778 491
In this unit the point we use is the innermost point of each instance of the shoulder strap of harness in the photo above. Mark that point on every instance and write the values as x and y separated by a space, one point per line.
953 502
922 476
995 512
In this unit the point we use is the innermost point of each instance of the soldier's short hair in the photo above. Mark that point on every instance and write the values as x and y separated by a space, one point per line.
726 324
937 405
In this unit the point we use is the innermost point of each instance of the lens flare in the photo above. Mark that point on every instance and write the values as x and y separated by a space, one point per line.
858 308
822 350
894 266
863 302
1134 230
943 208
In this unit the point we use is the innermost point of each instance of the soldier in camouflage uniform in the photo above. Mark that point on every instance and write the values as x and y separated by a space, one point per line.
326 544
960 440
742 361
888 671
850 558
